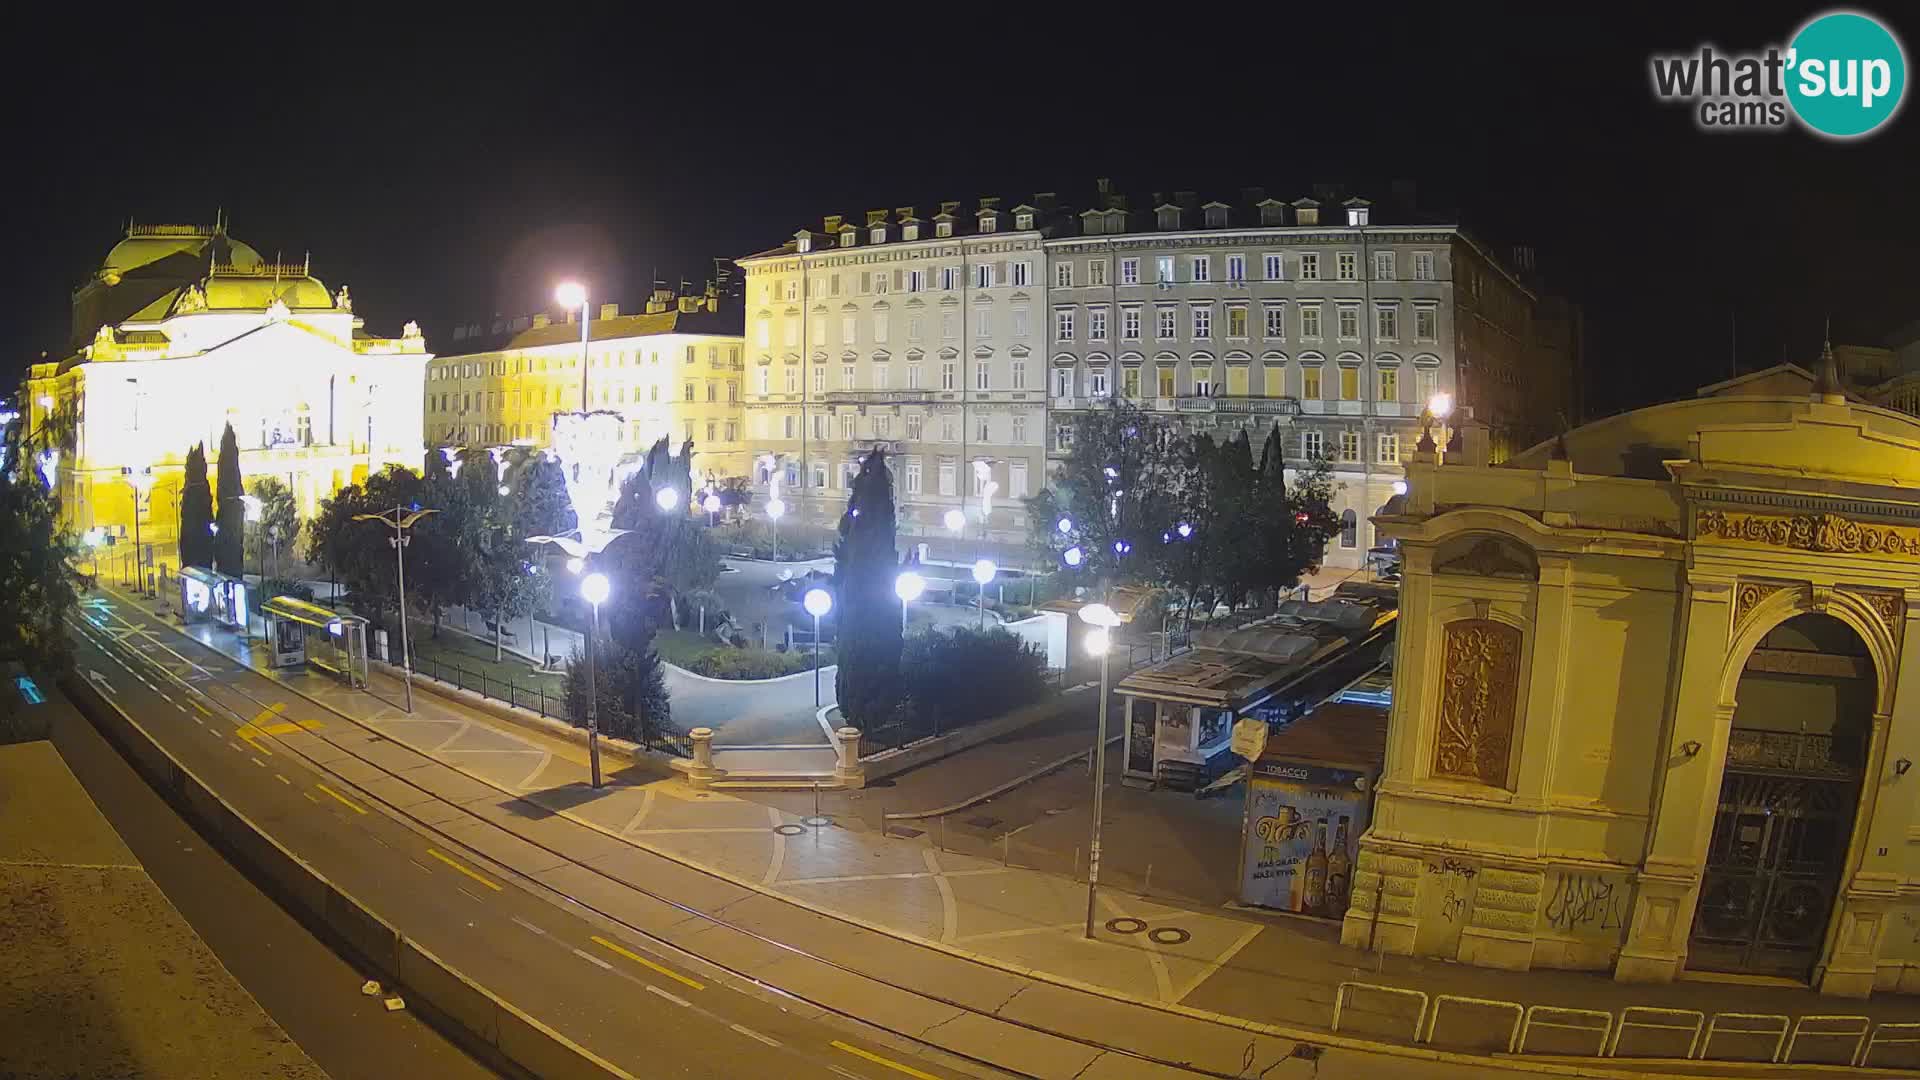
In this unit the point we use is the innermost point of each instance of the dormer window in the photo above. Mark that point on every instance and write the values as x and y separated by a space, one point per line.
1307 215
943 228
910 232
879 234
1357 215
805 244
1169 217
846 237
1216 217
989 223
1023 221
1271 213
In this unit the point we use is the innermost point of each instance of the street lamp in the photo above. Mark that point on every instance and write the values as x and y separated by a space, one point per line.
1099 643
776 508
955 520
1073 556
667 498
817 602
983 572
573 294
401 519
711 504
594 589
908 587
141 480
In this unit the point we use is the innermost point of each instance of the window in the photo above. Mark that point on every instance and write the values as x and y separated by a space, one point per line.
914 324
1097 324
1017 478
982 375
1236 268
948 433
1309 266
1310 322
879 282
1310 383
787 425
916 280
1130 324
913 472
1022 273
1310 446
1270 266
1129 271
1164 317
1130 382
1019 374
1387 382
1386 322
1349 382
762 335
733 391
949 327
1097 382
948 379
1063 382
1276 322
880 377
1202 323
1063 274
1019 322
943 228
1426 324
1425 385
983 276
1423 266
1349 529
1349 266
880 326
820 475
980 433
793 290
1164 268
1063 324
733 431
883 426
712 431
949 277
846 330
1237 321
1202 267
989 223
1387 448
1349 322
913 376
820 426
846 376
1383 266
983 322
1202 382
713 392
819 379
819 335
915 422
947 485
689 393
1349 445
1165 378
1096 272
1063 437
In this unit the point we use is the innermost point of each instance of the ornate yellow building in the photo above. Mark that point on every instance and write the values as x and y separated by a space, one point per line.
1653 706
184 330
672 369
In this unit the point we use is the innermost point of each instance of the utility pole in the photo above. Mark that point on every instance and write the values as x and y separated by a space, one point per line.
401 519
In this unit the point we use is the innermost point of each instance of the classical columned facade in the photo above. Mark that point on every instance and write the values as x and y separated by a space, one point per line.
1651 710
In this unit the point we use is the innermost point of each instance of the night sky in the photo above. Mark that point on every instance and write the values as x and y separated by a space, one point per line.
448 172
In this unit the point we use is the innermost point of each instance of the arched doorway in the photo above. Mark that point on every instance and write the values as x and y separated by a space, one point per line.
1802 725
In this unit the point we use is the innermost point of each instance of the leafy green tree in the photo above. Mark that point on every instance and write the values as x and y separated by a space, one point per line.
229 543
966 675
196 511
540 503
440 554
37 580
1119 488
866 610
279 524
356 553
630 689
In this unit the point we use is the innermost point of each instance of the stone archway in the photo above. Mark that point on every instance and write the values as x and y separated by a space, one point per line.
1801 732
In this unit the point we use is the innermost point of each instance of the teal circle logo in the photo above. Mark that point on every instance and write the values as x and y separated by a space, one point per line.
1847 74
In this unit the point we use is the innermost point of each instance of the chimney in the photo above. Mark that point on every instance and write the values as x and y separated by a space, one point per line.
1326 192
1103 186
990 202
1252 195
1187 200
950 207
876 217
609 311
832 223
903 213
1045 200
689 304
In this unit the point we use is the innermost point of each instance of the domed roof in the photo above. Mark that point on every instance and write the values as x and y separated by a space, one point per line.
148 244
226 293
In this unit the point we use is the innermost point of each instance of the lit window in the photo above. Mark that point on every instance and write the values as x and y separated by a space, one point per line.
1388 448
1129 271
1309 266
1270 264
1388 380
1349 266
1202 267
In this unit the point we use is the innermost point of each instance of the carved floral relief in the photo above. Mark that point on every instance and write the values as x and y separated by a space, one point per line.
1478 698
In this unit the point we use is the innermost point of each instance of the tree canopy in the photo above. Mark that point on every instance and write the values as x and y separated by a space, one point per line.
37 582
866 612
230 512
196 511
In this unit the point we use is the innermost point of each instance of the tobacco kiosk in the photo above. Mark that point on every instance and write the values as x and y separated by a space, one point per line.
1309 797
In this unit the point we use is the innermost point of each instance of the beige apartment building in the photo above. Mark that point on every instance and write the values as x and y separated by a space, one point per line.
674 368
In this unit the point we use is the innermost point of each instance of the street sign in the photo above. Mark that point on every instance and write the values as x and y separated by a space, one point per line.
1250 737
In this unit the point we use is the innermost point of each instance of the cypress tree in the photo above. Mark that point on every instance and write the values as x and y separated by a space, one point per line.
196 511
229 544
866 609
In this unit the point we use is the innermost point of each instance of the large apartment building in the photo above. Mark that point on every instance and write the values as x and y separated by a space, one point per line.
969 343
673 368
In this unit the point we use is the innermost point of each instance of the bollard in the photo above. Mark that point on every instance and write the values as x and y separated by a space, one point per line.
702 771
1076 862
1006 847
1148 891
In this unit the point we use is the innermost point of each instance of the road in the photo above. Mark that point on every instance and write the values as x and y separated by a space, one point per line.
596 981
305 986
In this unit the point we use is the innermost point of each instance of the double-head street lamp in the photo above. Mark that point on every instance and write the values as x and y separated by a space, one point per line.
594 589
1099 643
908 587
817 602
983 572
141 480
573 294
401 520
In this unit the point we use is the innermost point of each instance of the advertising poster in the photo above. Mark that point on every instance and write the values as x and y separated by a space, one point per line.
1302 833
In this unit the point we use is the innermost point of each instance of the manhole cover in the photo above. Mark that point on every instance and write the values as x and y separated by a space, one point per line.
1055 811
789 830
983 822
905 832
817 821
1168 935
1126 925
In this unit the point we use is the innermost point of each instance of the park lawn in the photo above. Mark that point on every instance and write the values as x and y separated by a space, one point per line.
680 646
475 657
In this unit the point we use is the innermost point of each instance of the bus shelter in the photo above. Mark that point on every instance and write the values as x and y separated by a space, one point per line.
209 596
301 633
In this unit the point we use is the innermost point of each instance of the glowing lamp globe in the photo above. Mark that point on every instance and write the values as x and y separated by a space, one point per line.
817 602
1399 487
1099 615
1065 526
571 294
594 588
909 586
956 520
1098 641
984 570
1073 556
667 498
575 565
775 508
1440 404
711 504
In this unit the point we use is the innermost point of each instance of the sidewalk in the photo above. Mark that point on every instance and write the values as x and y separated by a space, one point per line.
1017 919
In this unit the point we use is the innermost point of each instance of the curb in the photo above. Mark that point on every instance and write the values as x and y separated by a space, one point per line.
1001 789
484 1024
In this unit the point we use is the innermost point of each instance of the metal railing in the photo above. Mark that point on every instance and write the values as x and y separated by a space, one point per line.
534 696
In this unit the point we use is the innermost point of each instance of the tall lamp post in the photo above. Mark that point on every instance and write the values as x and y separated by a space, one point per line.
594 589
401 520
1099 642
908 587
573 294
817 602
983 572
141 480
775 508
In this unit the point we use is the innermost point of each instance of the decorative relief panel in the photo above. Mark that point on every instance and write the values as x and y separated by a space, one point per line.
1749 596
1890 606
1808 532
1478 695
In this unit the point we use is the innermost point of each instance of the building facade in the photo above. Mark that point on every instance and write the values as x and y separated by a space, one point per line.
966 344
673 369
1648 705
920 336
184 330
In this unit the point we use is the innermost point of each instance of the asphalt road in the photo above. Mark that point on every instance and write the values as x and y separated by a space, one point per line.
305 986
585 976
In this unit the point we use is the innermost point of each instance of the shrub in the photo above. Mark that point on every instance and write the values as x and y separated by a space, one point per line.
725 663
967 675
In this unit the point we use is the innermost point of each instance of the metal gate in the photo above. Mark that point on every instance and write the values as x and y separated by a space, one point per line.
1779 849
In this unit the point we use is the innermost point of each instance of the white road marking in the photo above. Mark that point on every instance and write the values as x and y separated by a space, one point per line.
424 868
594 960
675 998
529 926
754 1035
379 841
283 779
258 762
469 895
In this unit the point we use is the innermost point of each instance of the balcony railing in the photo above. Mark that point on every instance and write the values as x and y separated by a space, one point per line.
876 397
1194 403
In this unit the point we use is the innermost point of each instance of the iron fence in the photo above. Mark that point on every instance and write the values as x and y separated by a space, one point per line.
538 698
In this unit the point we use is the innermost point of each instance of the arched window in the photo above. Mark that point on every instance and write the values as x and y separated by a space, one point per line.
1349 529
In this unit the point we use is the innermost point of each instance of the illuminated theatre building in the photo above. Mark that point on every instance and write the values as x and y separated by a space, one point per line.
184 330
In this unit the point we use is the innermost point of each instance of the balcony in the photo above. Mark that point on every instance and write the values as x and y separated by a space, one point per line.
877 397
1263 406
1350 408
1194 403
1394 408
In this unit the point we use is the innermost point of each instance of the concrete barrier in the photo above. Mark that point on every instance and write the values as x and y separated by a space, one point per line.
487 1026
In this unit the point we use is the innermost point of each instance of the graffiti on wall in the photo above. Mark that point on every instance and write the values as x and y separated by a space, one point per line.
1585 903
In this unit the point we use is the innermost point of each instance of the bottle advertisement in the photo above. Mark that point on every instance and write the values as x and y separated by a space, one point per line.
1302 830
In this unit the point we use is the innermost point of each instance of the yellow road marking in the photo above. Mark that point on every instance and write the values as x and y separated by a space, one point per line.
470 873
342 799
878 1060
253 729
204 711
643 961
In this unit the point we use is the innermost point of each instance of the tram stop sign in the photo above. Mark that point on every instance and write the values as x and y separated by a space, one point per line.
1250 737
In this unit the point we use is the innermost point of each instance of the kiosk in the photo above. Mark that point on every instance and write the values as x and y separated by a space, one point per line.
208 596
300 633
1309 797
